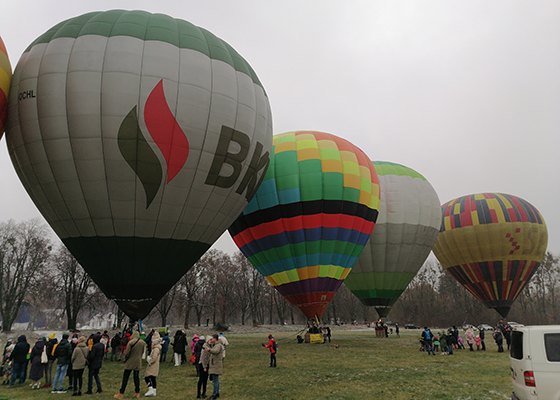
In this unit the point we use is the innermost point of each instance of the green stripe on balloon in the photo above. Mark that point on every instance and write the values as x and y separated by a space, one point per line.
304 249
146 26
389 168
140 156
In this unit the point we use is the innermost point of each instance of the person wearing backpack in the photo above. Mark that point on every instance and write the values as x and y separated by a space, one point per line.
272 346
427 338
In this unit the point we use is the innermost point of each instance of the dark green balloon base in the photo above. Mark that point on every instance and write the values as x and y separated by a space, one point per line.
135 272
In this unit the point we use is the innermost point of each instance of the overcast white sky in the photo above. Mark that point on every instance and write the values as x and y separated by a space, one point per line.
465 92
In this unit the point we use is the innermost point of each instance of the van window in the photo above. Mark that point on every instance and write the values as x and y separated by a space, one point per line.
552 346
516 349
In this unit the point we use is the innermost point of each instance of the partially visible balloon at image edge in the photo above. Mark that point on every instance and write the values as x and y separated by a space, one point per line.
140 138
5 78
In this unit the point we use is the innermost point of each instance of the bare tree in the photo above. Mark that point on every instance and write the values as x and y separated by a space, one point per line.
166 303
24 251
249 288
75 285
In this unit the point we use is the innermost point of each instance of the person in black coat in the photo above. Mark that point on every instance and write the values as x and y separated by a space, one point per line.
179 347
19 360
37 367
95 361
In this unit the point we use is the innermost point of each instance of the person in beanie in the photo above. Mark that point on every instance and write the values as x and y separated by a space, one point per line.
79 361
152 370
133 362
216 363
63 355
95 361
271 346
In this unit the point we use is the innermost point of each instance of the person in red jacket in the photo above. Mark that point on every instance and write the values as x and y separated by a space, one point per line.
273 348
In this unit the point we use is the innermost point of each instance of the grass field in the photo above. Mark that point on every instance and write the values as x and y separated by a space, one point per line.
362 367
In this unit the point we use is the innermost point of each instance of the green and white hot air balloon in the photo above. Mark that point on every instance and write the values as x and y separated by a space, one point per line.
407 228
140 138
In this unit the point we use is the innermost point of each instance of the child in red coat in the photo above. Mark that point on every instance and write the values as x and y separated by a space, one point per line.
272 347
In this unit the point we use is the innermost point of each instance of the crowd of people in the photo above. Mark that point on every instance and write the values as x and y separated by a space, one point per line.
70 356
447 341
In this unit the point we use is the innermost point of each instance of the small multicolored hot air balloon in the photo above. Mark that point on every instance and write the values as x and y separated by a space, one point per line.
492 243
407 227
5 78
311 217
140 138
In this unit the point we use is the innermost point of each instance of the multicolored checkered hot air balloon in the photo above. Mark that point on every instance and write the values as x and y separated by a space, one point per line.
5 78
311 217
492 243
140 138
407 227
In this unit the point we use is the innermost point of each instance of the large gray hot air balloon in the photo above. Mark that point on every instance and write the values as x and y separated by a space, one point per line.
140 138
407 227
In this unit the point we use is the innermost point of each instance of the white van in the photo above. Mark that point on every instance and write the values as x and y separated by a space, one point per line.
535 362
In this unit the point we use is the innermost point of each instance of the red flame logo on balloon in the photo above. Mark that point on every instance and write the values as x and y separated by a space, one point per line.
166 134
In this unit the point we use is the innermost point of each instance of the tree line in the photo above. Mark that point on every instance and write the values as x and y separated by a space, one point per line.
223 289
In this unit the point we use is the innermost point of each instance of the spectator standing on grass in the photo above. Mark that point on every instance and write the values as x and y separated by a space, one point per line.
133 362
179 347
63 355
427 339
152 370
164 347
19 359
469 336
105 340
273 348
215 364
52 342
499 339
455 336
443 342
482 344
203 364
37 366
477 342
223 340
197 352
79 361
115 347
436 343
194 341
95 362
397 330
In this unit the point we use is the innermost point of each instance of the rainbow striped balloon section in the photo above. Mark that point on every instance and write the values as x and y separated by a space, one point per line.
5 78
310 218
492 243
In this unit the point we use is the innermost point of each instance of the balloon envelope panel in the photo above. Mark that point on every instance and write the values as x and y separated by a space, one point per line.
407 227
492 243
131 131
5 78
311 217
